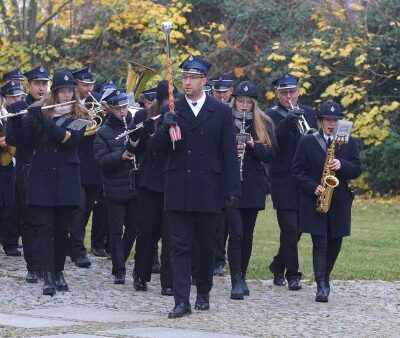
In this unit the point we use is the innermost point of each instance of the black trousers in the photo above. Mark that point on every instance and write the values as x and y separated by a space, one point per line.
30 247
123 231
8 228
184 228
51 231
325 252
287 257
80 218
240 224
221 238
100 224
151 226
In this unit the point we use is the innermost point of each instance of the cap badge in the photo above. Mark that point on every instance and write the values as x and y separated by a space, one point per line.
246 88
66 78
286 76
332 109
110 82
117 92
41 69
89 70
12 83
191 58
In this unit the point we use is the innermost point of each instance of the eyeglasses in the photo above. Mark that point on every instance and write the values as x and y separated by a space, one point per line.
285 92
191 77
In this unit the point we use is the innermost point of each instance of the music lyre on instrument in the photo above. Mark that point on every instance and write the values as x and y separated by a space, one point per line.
302 123
174 131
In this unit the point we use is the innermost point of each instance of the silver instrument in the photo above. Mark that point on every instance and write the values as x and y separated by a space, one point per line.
136 127
241 138
134 163
302 123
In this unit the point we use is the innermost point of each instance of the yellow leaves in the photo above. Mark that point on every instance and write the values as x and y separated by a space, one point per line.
267 69
269 95
299 62
391 107
360 59
323 70
276 45
356 7
221 44
346 50
276 57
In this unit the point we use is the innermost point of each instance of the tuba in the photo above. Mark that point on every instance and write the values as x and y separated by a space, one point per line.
138 76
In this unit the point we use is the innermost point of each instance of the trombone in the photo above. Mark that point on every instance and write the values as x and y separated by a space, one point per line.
302 123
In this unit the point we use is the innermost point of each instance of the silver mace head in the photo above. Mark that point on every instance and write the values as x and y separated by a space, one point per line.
166 27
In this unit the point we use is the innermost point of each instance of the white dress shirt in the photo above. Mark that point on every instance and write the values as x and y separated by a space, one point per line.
199 104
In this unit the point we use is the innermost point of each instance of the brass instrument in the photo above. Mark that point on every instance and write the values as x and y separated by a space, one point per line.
7 153
94 109
138 76
302 123
241 138
328 181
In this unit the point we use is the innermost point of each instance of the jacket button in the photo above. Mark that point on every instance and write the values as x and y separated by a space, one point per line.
189 152
189 171
202 133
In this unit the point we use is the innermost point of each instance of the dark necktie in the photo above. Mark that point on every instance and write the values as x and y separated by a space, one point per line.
194 103
329 142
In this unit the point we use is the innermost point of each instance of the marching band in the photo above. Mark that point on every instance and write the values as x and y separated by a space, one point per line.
192 168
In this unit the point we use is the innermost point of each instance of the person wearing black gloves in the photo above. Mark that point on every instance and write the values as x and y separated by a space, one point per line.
53 180
115 158
256 147
38 79
202 173
151 220
327 229
284 188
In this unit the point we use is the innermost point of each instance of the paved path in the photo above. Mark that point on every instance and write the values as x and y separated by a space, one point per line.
95 307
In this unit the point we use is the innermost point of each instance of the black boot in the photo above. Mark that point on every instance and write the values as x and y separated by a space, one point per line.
245 289
49 287
237 291
32 277
202 302
322 292
60 282
328 285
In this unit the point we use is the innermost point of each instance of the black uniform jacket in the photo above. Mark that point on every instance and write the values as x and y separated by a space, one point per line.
7 179
203 170
117 174
307 168
23 155
284 189
255 180
152 161
53 177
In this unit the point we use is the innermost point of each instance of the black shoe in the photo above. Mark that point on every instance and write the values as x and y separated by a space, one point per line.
155 268
279 278
246 291
13 252
99 252
109 257
294 284
32 277
60 282
328 286
237 290
202 302
167 291
119 278
49 287
219 271
322 292
180 310
82 262
139 284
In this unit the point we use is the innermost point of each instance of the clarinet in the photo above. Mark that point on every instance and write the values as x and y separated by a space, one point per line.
134 163
241 139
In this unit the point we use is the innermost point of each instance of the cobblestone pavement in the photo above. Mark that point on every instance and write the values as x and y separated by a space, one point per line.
355 308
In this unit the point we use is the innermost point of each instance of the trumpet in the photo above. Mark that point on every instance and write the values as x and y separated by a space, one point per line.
25 111
302 123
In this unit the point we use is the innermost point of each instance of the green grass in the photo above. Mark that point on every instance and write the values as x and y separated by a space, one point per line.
371 252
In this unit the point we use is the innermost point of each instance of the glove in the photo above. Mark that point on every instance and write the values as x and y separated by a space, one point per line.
169 120
37 112
232 202
296 112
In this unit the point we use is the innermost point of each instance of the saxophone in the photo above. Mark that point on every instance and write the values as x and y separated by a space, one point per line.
328 182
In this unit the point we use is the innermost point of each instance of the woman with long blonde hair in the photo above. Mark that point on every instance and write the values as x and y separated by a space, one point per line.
255 145
53 178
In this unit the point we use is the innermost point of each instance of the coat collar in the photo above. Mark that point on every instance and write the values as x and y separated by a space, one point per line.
184 110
